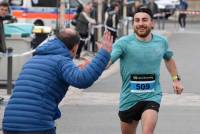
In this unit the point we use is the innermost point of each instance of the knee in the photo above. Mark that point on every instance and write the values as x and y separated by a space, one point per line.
147 131
126 131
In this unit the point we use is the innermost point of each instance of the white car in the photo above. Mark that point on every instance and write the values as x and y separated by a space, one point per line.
167 6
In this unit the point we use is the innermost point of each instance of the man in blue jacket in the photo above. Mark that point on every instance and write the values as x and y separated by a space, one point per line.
44 81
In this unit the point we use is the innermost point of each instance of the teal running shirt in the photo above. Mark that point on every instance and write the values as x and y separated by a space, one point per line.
140 68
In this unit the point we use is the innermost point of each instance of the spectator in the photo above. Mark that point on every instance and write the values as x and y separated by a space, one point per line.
78 11
4 13
44 81
134 7
182 15
112 19
155 10
83 25
153 7
4 9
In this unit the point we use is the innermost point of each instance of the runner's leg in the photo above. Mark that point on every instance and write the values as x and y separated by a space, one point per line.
148 121
129 128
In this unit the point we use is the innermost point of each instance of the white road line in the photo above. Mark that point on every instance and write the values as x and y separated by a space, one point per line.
186 32
97 98
169 33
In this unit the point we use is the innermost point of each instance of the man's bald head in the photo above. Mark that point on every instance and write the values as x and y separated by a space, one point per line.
69 37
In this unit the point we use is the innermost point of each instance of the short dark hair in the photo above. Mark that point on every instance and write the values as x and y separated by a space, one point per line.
4 4
144 9
69 39
114 4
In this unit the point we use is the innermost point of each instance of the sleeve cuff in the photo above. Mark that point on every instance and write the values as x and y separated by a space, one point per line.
168 55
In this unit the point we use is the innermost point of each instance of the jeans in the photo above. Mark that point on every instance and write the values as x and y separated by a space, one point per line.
182 20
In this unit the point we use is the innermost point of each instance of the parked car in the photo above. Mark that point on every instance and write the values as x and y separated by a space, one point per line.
167 6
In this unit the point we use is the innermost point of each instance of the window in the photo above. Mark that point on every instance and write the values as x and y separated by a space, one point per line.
45 3
16 2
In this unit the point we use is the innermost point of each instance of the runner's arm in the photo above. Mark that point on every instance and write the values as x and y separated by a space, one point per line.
172 69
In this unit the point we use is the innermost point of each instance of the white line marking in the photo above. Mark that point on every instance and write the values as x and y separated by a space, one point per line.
97 98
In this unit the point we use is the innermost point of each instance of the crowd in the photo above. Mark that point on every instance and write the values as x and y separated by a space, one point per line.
86 18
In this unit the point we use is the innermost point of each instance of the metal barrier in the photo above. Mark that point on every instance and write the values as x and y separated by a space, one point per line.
8 84
9 67
9 72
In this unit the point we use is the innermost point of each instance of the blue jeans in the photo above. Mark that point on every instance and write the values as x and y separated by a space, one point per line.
51 131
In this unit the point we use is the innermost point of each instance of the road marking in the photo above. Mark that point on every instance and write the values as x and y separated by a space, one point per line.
170 32
186 32
99 98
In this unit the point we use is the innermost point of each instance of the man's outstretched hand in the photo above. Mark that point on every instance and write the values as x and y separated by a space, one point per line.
106 42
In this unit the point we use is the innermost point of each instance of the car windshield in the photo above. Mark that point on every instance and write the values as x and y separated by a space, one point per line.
16 2
44 3
166 3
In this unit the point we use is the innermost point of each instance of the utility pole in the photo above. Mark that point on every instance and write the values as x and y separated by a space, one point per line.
62 14
125 16
99 18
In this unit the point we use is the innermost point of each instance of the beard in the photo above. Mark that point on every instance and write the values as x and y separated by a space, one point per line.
142 31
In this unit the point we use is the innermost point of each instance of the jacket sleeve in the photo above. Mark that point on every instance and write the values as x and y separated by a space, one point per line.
84 78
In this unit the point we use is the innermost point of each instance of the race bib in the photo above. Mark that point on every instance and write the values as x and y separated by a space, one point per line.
142 83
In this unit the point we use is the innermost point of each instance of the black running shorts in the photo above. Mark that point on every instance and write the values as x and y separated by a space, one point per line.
135 112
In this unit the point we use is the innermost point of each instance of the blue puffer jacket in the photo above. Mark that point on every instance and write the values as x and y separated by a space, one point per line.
43 83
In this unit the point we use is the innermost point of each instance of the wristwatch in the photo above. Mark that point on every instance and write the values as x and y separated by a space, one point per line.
176 77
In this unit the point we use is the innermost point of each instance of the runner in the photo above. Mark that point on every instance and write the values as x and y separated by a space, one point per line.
140 57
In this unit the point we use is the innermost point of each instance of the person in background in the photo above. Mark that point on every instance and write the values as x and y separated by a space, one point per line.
78 12
153 7
134 7
112 19
155 11
140 57
182 14
45 79
83 23
4 13
4 9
